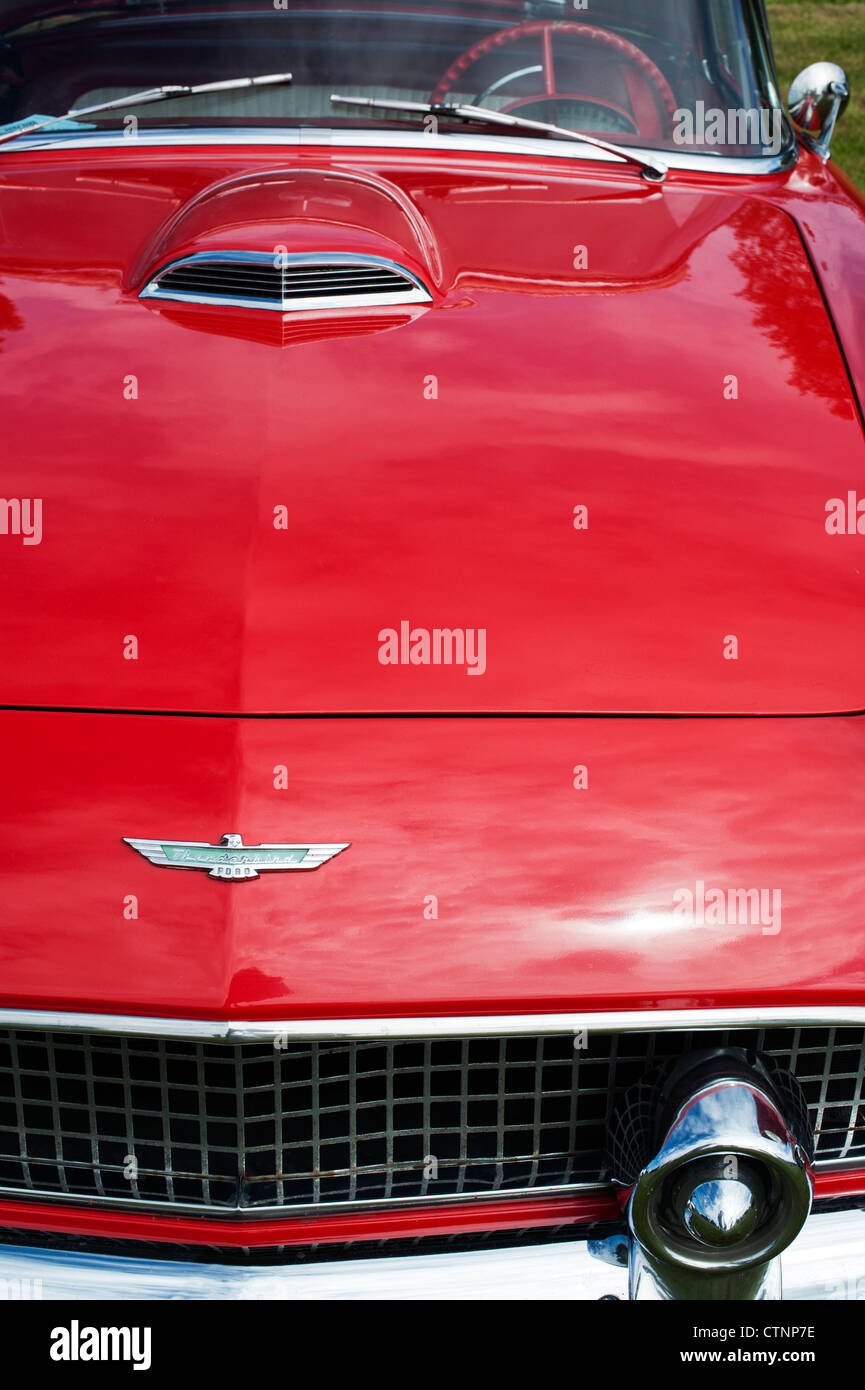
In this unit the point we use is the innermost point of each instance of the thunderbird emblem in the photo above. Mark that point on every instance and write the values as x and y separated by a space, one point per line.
231 859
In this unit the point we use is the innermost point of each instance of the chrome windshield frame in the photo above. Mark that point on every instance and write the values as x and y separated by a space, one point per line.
371 137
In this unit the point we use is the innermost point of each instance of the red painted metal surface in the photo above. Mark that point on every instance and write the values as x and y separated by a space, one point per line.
453 1219
830 214
850 1183
548 898
555 388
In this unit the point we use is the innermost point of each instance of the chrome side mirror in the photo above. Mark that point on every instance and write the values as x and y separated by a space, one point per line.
817 99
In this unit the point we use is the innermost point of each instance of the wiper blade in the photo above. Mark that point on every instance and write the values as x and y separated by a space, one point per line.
650 167
143 98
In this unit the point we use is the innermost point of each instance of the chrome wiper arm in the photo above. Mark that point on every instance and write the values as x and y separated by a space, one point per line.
143 98
651 168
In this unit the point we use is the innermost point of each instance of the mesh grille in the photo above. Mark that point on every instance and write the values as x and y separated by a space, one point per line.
248 1125
256 280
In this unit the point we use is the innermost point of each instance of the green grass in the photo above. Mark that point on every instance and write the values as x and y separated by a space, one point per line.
806 31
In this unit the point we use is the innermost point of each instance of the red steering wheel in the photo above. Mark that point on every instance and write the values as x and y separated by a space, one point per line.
649 91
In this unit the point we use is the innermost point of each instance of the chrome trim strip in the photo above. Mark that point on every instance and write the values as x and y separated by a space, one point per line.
230 1215
837 1165
827 1261
722 165
362 298
486 1025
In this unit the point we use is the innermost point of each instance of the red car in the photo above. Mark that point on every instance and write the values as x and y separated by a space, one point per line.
432 553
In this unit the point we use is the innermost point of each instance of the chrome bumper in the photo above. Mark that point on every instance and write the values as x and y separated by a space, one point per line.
827 1261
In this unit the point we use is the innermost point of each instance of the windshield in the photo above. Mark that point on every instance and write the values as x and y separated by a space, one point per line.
671 75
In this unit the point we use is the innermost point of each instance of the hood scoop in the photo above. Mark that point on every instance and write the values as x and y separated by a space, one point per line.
286 281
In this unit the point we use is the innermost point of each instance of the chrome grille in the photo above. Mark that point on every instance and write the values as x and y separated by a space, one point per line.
247 1125
286 282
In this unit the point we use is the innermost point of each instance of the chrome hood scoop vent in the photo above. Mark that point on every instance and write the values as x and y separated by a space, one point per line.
286 281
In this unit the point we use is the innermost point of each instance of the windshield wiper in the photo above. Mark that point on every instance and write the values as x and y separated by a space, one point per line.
143 98
651 168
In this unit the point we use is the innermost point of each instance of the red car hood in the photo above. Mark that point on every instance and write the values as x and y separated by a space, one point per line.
238 513
478 878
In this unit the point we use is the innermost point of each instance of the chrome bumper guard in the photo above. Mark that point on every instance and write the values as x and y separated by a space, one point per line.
826 1261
